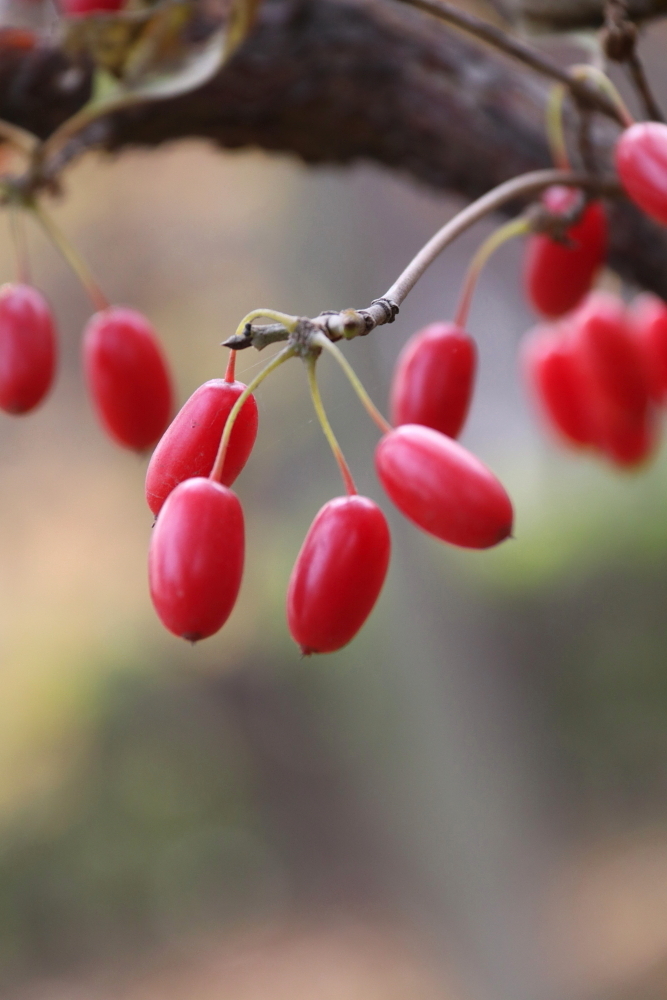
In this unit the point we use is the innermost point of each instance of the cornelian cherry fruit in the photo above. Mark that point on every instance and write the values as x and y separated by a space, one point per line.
648 320
611 354
127 377
190 443
79 8
433 379
554 374
442 488
641 162
338 574
558 275
195 562
27 348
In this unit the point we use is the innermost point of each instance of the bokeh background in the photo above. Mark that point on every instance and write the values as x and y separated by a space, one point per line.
470 801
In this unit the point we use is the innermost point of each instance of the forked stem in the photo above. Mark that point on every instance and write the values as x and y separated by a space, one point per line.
72 256
311 365
282 356
322 341
516 227
19 244
584 71
289 322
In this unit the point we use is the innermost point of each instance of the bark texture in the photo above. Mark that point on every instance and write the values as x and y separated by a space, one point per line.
336 81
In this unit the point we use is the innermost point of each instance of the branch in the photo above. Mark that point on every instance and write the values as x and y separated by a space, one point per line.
337 81
520 50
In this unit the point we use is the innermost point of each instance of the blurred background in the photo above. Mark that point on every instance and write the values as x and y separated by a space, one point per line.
470 801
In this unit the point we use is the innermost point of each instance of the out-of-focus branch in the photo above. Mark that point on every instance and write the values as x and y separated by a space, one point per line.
336 81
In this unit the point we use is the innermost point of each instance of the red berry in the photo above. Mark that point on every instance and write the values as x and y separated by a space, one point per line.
611 354
558 275
195 561
433 379
79 8
127 377
189 445
641 162
628 441
338 574
648 319
554 373
442 488
27 348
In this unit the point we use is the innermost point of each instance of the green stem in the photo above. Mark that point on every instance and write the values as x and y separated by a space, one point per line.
516 227
17 229
216 471
73 258
289 322
311 364
322 341
554 126
584 71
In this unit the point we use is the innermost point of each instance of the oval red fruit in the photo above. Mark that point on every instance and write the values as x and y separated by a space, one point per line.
641 162
442 488
27 348
558 275
554 374
80 8
189 445
127 377
195 563
648 319
611 354
338 574
433 379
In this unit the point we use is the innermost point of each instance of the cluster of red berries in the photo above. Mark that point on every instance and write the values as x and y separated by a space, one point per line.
196 552
599 373
125 368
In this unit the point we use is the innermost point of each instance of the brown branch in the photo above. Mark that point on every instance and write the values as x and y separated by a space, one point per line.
337 81
518 49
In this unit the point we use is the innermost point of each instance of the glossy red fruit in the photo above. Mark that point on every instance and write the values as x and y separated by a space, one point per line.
648 319
641 162
554 374
443 488
558 275
611 354
338 574
433 379
189 445
79 8
27 348
195 563
127 377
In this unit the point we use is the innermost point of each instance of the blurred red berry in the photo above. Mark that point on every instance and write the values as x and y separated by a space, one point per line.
127 377
558 275
27 348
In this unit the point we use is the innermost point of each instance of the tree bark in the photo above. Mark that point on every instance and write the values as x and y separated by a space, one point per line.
337 81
